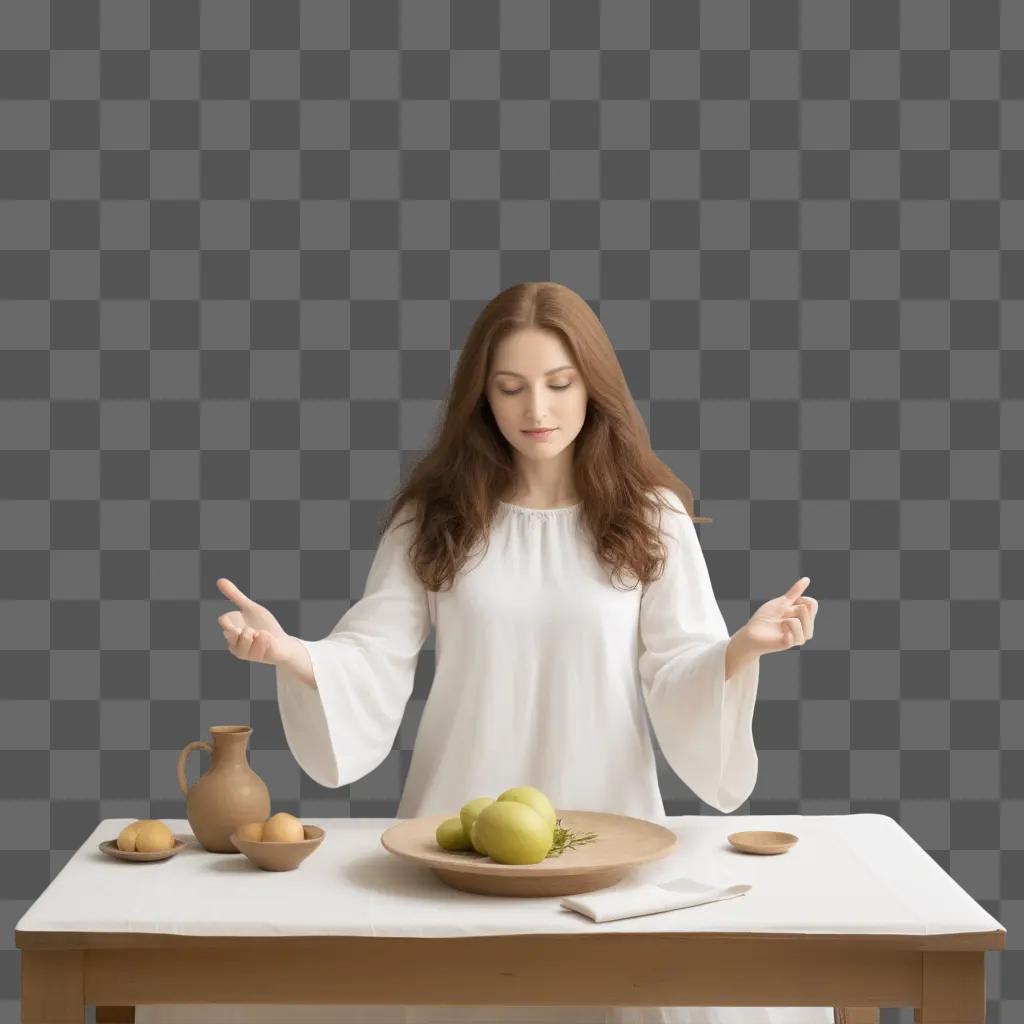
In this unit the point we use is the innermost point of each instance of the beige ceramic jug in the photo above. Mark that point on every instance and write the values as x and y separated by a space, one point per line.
229 794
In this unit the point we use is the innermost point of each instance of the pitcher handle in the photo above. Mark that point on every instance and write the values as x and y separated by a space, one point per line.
183 757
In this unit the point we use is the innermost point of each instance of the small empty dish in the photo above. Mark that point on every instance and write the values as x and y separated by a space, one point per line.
109 847
276 856
763 842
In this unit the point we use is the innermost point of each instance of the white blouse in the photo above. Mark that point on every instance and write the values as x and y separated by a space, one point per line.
543 671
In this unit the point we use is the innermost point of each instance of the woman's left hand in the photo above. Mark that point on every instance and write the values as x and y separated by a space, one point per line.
783 622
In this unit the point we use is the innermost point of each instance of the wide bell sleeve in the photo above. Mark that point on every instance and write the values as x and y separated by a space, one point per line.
703 721
364 671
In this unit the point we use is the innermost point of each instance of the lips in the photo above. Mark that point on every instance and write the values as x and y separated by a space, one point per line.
539 433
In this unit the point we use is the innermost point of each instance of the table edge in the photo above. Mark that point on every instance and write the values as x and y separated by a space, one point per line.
64 940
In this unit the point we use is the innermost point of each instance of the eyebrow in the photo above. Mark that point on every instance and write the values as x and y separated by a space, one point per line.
547 373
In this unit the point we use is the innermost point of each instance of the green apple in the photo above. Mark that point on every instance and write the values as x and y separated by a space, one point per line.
474 838
470 810
451 835
532 797
513 833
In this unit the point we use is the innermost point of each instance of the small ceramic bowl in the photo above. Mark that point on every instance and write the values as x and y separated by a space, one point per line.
109 847
276 856
763 842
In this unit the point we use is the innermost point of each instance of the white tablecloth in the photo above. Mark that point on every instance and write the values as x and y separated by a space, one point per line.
859 873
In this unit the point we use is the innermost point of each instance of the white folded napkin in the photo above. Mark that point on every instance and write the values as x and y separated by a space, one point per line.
614 904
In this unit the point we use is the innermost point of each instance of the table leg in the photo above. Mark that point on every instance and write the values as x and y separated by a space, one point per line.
856 1015
953 988
52 986
115 1015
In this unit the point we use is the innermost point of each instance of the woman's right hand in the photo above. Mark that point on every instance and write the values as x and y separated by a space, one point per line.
252 632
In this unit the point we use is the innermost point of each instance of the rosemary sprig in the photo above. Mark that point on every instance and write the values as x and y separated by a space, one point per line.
567 839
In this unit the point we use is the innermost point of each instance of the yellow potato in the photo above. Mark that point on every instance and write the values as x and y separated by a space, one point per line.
126 837
152 836
283 828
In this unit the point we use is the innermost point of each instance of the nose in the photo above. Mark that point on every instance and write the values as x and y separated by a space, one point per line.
538 405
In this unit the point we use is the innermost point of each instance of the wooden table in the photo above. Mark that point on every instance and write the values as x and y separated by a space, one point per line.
942 976
63 973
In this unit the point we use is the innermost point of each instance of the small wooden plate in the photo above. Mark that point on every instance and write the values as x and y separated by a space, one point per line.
109 847
763 842
622 844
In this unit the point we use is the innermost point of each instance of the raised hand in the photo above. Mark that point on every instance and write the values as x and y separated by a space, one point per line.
783 622
252 632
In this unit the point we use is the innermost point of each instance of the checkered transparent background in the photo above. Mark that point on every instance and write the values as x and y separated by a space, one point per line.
241 242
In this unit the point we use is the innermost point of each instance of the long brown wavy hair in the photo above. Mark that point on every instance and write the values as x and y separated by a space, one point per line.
455 488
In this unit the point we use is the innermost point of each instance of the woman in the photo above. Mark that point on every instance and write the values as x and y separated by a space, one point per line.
566 582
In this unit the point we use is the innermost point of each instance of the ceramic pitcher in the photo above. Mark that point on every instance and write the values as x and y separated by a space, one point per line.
229 794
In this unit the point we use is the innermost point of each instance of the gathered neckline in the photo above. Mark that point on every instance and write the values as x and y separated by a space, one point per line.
562 511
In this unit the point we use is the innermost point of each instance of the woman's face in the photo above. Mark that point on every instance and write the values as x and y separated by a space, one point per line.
533 383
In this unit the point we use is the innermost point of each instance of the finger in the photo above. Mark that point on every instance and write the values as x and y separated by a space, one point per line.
232 593
243 643
260 646
799 587
254 647
231 620
813 605
806 617
260 643
807 621
796 630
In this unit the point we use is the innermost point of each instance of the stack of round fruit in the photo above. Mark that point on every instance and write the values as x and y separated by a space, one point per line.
517 828
146 835
281 828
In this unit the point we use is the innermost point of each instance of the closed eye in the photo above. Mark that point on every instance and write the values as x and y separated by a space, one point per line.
554 387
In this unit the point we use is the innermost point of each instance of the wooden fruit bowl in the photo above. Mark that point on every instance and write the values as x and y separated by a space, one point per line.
278 856
623 843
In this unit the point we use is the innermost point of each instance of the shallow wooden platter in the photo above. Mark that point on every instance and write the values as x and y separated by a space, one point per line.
622 844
